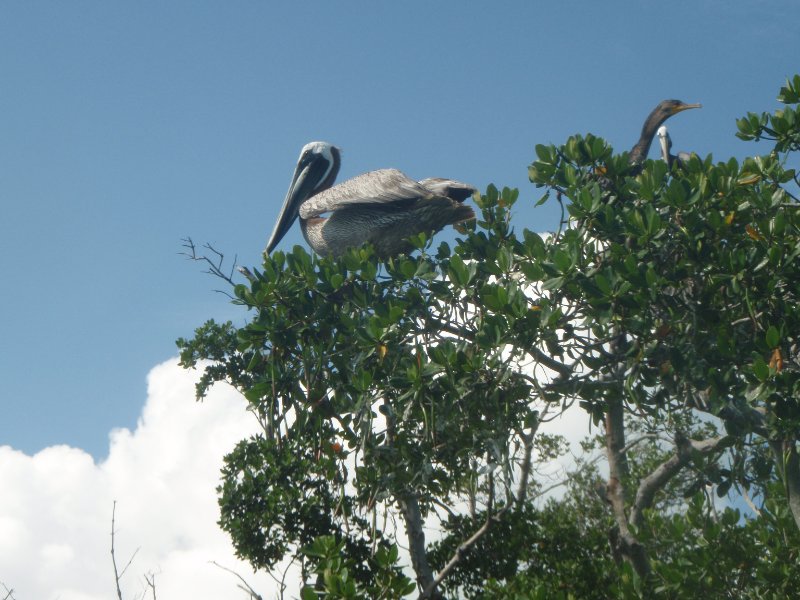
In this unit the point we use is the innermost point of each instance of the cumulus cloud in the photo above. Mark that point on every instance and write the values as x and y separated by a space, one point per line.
55 506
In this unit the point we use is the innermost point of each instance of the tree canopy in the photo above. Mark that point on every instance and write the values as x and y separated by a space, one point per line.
404 396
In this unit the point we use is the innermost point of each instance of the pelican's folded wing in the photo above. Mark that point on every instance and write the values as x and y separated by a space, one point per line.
383 187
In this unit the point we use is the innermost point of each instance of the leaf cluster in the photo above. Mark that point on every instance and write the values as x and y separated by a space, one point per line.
671 289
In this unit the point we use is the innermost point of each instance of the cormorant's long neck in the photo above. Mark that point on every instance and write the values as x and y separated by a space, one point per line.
639 151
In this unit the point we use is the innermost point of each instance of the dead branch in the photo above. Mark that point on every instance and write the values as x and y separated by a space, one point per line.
9 592
117 574
215 264
151 583
244 585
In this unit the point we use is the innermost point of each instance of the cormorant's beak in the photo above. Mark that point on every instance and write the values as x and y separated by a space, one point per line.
682 107
307 176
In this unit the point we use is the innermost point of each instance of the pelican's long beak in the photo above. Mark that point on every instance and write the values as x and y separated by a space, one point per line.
307 176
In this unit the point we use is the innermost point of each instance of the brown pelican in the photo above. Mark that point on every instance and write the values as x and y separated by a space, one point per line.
383 207
666 145
663 111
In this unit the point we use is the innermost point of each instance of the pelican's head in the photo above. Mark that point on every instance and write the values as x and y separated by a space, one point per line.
315 171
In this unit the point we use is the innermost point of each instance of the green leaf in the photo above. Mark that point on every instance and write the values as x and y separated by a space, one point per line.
458 271
562 260
308 593
760 369
337 280
773 337
651 277
552 284
603 283
543 152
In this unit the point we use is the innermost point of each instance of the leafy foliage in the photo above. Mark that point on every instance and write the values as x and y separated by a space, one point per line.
373 382
666 293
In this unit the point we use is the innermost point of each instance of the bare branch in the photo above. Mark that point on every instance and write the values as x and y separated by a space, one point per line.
244 585
113 556
117 574
151 583
639 440
215 264
9 592
128 564
661 475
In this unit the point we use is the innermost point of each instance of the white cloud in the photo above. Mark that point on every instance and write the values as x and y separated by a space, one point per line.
55 506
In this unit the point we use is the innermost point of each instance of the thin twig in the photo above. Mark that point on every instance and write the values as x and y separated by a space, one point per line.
9 592
151 583
244 585
214 266
117 574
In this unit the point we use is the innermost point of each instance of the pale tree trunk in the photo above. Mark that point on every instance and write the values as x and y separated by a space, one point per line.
625 544
412 516
788 463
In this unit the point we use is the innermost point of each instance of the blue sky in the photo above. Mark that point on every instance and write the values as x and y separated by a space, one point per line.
125 127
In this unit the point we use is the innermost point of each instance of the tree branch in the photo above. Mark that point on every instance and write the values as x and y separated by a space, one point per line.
151 583
416 545
661 475
214 266
244 585
525 469
117 574
9 592
623 542
468 543
412 516
789 466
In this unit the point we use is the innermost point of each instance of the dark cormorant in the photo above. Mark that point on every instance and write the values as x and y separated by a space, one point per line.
662 112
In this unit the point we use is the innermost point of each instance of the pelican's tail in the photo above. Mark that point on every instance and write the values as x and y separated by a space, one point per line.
449 188
461 213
